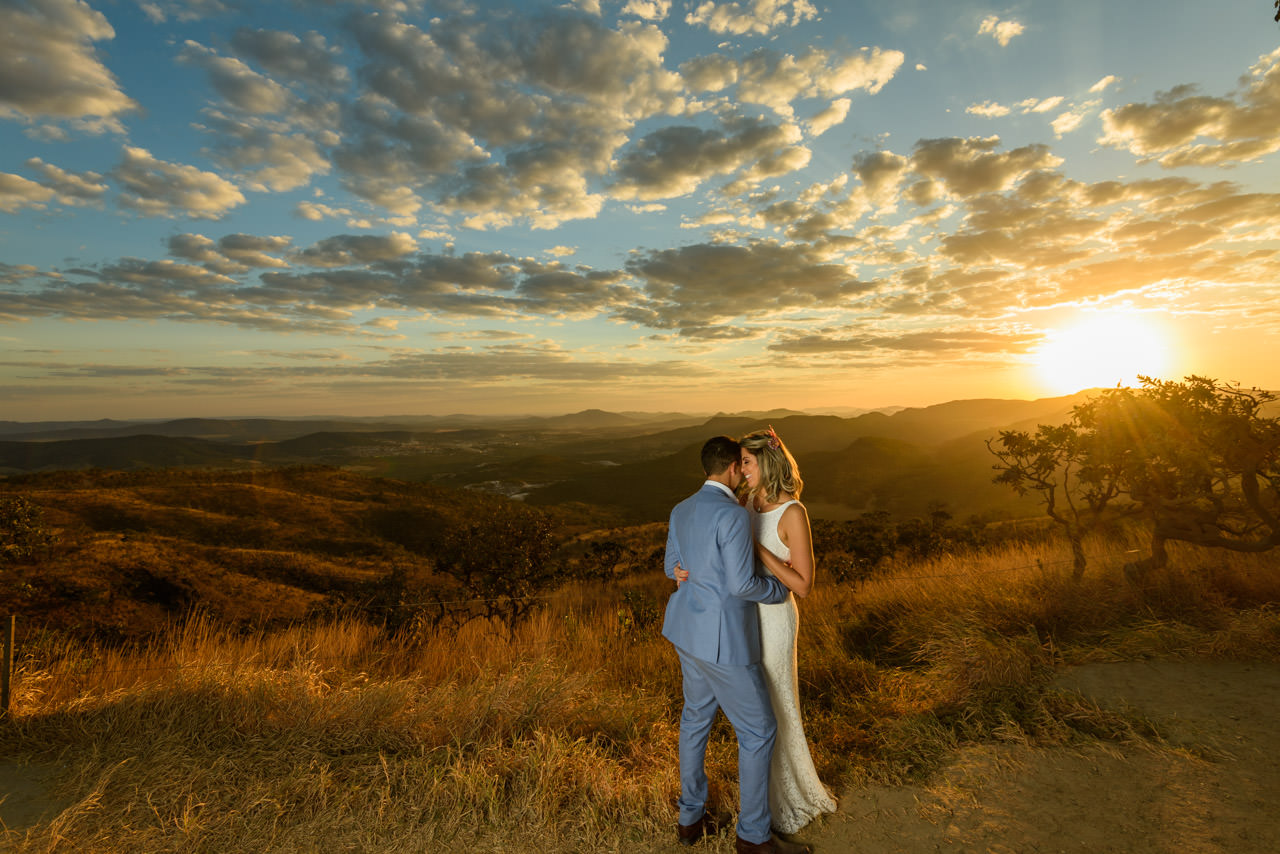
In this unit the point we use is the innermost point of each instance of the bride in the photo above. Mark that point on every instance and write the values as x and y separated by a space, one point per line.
784 547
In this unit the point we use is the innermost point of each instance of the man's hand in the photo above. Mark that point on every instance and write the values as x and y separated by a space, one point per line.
681 574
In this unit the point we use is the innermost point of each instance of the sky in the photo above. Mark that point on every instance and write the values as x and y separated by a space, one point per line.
318 207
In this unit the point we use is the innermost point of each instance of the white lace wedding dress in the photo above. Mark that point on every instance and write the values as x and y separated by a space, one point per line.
796 795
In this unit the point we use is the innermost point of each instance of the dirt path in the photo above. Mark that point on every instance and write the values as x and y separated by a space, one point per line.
1217 792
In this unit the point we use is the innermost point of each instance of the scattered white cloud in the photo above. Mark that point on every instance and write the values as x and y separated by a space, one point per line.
988 109
751 16
1041 105
833 115
777 79
1184 128
1102 84
650 10
1002 31
1066 122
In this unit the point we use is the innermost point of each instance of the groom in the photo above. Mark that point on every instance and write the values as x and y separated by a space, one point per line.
711 619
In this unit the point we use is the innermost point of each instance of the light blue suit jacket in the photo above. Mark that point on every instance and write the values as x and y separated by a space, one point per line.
712 616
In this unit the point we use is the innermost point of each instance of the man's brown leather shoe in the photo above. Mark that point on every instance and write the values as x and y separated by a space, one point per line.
772 845
691 833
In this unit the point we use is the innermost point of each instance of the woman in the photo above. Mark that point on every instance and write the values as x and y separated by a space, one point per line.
784 548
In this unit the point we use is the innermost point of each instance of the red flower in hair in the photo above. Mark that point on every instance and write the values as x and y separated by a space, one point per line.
774 442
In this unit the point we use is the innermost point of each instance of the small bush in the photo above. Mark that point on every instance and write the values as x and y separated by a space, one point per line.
23 534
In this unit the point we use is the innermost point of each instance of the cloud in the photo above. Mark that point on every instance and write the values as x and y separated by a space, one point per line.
49 68
506 119
776 79
315 211
185 10
345 250
675 160
52 184
705 285
233 253
972 165
17 193
243 88
881 173
1040 105
535 367
711 73
307 58
1102 84
157 188
71 188
650 10
1002 31
265 159
869 344
1066 122
1183 128
757 17
988 109
830 117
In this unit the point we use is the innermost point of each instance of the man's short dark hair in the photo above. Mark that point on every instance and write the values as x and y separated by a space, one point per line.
718 453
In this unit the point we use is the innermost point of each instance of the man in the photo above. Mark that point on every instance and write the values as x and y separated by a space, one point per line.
711 619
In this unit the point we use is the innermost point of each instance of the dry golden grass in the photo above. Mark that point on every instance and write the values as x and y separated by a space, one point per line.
342 736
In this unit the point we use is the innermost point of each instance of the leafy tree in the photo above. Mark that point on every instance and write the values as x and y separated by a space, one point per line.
851 550
502 561
1197 459
602 560
1200 459
1068 467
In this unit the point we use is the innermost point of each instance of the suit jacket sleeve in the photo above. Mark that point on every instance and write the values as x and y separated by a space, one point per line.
737 548
673 548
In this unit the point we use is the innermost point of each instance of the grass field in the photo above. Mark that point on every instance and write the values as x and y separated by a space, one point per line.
344 736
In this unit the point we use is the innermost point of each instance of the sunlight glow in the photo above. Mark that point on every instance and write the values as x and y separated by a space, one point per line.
1102 351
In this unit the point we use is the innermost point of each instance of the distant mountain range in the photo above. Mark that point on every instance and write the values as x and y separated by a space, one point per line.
905 461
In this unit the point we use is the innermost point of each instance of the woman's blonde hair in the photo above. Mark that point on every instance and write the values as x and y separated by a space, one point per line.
779 472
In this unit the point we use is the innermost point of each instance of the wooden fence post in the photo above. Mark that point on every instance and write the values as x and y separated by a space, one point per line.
6 667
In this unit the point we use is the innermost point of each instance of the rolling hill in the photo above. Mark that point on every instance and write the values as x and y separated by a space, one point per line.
905 463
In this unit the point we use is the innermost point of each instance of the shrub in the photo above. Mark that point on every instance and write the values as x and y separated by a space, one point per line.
23 534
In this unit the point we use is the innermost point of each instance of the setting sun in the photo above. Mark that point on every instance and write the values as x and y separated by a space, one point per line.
1102 351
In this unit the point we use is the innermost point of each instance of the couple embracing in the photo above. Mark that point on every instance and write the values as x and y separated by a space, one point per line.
733 622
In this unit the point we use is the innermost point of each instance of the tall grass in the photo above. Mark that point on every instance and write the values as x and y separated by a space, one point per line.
346 736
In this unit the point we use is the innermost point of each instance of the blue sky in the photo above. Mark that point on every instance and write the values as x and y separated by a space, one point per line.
210 207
